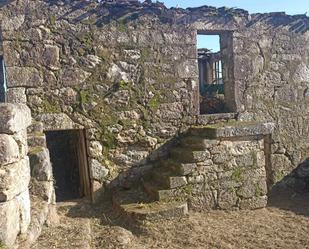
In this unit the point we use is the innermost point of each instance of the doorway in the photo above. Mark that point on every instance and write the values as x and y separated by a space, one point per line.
70 165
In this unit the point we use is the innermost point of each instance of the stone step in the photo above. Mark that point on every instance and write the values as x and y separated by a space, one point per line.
185 155
197 143
178 168
130 204
159 193
168 178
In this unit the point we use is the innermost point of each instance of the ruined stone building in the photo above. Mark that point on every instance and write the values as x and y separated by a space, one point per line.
122 100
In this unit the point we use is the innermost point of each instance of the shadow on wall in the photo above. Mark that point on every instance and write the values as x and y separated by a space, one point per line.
108 11
292 192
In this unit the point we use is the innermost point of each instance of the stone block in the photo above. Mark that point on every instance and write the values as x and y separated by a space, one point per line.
95 149
253 183
186 168
188 156
23 202
73 76
9 150
51 57
14 22
37 140
233 129
41 168
14 179
227 199
177 181
14 117
57 121
43 190
9 222
24 77
21 138
36 128
16 95
97 170
253 203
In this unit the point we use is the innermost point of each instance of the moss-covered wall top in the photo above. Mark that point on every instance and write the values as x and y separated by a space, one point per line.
127 72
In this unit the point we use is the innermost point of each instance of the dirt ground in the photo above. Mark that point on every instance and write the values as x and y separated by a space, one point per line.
283 224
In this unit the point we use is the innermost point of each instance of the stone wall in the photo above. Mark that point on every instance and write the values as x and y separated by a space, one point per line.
127 73
14 172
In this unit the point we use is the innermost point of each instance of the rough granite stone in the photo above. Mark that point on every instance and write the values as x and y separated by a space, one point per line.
97 170
9 150
14 118
24 77
14 179
9 222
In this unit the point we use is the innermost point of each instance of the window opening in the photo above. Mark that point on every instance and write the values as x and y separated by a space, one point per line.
211 75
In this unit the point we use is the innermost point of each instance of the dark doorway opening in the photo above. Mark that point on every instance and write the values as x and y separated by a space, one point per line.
69 159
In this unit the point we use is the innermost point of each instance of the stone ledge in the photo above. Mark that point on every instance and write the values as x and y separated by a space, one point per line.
14 118
211 118
233 129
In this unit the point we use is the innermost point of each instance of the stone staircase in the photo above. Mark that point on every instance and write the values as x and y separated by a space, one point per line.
165 191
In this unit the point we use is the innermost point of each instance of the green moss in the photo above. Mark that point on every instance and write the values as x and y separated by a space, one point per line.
85 96
258 190
50 106
145 54
52 20
123 85
35 150
188 189
237 175
2 246
155 101
121 26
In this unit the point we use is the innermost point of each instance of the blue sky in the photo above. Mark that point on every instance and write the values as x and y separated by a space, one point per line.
253 6
291 7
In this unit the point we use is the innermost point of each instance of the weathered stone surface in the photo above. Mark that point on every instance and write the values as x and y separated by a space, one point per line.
36 128
21 139
43 189
9 222
95 149
23 201
254 203
51 57
73 76
236 129
177 181
9 151
37 140
16 95
24 77
57 121
13 22
14 118
97 170
41 168
10 175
